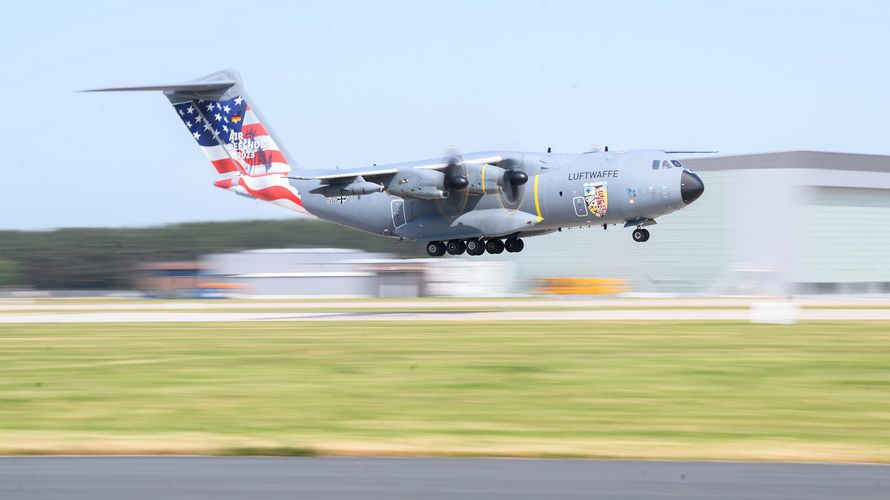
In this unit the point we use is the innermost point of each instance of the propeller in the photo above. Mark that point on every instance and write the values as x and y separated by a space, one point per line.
512 185
456 183
455 172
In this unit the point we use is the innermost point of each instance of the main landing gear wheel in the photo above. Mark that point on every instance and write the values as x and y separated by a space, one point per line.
514 245
455 247
435 249
494 246
475 247
641 234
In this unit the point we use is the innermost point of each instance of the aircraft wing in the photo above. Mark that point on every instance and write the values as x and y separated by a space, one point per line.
340 176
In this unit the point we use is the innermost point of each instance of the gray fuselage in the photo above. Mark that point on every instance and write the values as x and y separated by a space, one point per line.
563 190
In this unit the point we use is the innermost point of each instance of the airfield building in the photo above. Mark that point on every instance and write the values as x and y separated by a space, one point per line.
340 273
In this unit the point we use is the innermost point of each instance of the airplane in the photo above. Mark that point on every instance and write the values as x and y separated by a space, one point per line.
473 203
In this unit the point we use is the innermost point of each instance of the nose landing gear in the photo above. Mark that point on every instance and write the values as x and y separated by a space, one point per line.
640 234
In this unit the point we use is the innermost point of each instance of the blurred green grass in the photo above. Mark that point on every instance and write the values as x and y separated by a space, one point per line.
812 391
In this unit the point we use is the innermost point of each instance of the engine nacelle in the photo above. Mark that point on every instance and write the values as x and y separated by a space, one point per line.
418 183
361 187
484 178
356 186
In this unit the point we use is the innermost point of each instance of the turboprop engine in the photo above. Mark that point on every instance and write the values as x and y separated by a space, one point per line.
488 178
466 178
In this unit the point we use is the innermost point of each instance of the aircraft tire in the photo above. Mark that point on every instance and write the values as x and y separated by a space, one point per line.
475 247
639 235
494 246
645 235
455 247
435 249
514 245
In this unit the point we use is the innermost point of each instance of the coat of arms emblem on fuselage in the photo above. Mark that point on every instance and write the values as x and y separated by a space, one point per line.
596 194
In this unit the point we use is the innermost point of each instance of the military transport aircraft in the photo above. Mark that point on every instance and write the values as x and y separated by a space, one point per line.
474 203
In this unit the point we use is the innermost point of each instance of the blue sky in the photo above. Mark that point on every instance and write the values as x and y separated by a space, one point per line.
355 83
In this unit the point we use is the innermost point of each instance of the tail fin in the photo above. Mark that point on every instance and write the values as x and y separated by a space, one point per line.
230 131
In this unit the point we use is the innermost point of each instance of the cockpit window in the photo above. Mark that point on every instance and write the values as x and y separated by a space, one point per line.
665 164
677 163
655 164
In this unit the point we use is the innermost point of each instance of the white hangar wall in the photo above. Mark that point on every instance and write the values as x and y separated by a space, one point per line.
843 241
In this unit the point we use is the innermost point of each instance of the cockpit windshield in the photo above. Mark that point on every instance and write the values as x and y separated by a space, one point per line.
656 164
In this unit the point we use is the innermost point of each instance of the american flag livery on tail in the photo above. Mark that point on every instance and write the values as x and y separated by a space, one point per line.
232 136
235 141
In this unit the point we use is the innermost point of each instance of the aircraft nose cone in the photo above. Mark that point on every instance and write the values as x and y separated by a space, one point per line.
691 187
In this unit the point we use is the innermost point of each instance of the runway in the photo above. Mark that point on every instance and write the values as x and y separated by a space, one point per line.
524 309
222 478
434 315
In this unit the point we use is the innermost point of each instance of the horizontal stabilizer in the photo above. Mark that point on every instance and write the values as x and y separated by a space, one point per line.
180 87
692 152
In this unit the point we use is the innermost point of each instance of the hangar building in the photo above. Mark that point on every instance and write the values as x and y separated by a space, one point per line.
339 272
796 222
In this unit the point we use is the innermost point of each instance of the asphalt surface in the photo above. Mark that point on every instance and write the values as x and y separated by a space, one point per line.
433 315
839 302
218 478
541 309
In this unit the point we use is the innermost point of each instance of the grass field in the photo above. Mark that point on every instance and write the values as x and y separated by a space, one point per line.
813 391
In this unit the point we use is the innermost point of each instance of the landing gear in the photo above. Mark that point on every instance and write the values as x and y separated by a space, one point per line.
514 244
475 247
641 234
494 246
455 247
435 249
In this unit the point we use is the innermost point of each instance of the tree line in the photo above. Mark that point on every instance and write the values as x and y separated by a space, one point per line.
108 258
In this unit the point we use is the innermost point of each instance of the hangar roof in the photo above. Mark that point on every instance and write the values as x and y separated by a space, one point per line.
793 159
